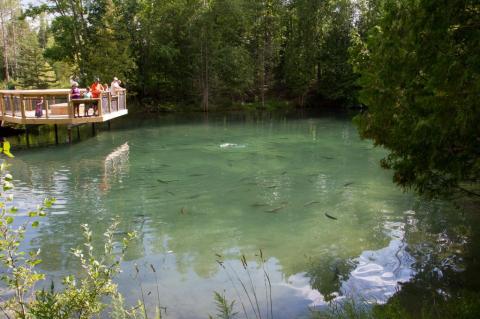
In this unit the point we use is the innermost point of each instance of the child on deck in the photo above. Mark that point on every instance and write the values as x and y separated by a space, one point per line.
39 108
87 95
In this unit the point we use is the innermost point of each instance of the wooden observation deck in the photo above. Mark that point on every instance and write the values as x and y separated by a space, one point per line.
18 106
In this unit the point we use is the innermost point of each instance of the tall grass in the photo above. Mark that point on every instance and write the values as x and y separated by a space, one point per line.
246 289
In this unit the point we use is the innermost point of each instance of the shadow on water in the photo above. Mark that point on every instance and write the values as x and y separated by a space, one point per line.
28 136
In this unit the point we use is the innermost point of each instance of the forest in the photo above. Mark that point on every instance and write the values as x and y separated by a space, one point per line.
410 68
199 53
414 64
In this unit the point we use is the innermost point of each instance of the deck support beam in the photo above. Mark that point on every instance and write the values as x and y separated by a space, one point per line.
27 136
69 133
56 133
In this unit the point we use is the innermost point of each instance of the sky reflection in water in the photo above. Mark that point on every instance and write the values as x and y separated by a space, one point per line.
223 186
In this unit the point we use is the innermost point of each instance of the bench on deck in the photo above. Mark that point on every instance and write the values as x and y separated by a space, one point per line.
59 109
62 108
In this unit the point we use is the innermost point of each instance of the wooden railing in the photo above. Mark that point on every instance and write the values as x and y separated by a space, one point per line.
23 106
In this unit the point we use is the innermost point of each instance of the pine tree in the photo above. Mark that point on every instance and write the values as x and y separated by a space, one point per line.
34 70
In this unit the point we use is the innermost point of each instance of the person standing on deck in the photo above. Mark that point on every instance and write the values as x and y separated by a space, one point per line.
96 88
115 86
75 94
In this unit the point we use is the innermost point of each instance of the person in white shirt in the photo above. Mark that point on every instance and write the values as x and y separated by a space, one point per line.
115 86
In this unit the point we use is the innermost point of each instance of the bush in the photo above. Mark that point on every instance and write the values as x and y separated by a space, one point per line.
83 296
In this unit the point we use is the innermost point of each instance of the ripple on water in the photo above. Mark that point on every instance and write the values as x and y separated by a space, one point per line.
229 189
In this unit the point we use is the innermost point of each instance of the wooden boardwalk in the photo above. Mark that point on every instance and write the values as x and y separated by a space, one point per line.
18 106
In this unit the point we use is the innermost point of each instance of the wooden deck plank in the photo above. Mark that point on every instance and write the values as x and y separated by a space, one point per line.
63 119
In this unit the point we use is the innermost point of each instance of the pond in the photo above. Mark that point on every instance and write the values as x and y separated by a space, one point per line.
302 191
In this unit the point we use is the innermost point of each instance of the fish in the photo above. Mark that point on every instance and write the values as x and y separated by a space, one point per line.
330 216
183 211
166 182
274 210
171 193
327 157
284 172
259 205
196 175
194 196
311 203
272 186
348 184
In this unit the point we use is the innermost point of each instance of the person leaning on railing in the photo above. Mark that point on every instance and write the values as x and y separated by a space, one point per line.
75 94
96 89
115 86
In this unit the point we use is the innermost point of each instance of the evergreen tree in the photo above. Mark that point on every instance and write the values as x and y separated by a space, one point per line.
420 78
34 71
335 76
109 53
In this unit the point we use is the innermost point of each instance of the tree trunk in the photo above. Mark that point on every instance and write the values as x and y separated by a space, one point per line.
206 86
14 47
5 48
205 69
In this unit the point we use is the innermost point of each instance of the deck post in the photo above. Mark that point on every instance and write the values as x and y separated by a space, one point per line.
45 101
109 102
93 129
56 133
22 106
69 129
78 133
70 106
100 106
2 104
27 136
109 126
12 105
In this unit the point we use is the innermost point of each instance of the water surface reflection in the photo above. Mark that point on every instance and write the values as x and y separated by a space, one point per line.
198 189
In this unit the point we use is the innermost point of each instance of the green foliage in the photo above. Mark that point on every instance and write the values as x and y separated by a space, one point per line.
336 79
92 36
82 296
19 268
463 306
34 71
348 309
420 78
316 58
224 308
201 52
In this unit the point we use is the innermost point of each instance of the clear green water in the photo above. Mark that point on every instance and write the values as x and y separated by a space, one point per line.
231 185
